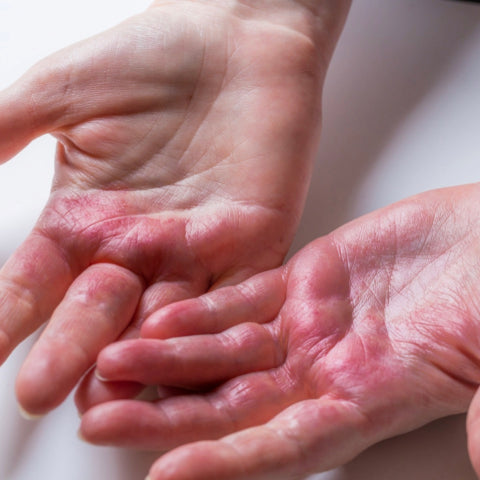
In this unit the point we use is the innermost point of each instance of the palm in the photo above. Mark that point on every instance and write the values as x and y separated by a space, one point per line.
366 333
183 160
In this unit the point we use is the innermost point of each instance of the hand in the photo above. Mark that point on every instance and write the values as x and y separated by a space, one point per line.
366 333
185 138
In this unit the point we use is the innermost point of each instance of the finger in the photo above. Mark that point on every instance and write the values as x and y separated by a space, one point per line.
240 403
193 361
95 392
258 300
95 310
158 296
473 430
92 391
309 437
32 283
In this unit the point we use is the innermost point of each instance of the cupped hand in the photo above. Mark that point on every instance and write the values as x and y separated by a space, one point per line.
366 333
185 138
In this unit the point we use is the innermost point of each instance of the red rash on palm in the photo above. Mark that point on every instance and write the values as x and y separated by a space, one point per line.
366 333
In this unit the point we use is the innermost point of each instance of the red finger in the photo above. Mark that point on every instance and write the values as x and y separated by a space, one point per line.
256 300
195 360
240 403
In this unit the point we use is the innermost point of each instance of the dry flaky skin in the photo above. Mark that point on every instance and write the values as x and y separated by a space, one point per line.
368 332
185 143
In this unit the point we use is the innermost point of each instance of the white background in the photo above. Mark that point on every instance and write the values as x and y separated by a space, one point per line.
402 107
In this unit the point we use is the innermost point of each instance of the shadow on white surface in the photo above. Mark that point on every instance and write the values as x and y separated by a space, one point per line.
20 432
389 59
435 452
392 59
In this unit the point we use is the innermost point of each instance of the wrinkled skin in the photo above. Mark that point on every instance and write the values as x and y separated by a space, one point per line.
185 142
366 333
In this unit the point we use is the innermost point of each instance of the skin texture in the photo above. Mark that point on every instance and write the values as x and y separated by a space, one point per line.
366 333
185 144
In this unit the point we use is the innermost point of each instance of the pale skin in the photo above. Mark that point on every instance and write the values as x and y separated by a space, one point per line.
366 333
185 144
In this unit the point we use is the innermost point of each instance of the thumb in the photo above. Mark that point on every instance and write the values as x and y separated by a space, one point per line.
34 105
473 431
64 89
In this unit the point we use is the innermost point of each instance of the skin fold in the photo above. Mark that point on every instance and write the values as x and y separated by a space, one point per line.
185 143
368 332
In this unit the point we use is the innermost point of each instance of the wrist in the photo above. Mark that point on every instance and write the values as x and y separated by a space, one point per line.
320 20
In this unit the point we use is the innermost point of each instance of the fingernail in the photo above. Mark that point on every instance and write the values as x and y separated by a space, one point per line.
99 376
27 415
81 437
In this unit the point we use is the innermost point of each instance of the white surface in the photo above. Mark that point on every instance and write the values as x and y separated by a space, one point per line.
401 116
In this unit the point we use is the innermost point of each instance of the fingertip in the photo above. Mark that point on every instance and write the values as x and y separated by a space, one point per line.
124 423
111 361
156 326
27 415
183 318
95 425
81 437
106 361
148 330
92 425
92 392
35 397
